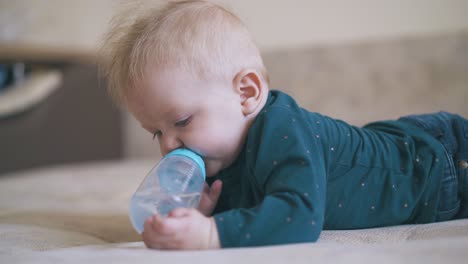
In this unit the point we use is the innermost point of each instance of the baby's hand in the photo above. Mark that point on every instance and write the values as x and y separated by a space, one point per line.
209 197
183 228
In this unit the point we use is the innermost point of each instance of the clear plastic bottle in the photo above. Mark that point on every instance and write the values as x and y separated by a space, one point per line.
176 181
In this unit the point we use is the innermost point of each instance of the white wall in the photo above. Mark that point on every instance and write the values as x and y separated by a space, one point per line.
291 23
274 23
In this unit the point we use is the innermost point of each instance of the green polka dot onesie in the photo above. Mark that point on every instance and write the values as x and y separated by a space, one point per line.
300 172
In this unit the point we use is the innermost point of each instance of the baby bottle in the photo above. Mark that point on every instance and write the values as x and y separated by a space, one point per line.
176 181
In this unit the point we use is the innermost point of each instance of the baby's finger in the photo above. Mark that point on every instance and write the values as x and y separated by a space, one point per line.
173 224
160 226
215 190
154 228
148 225
155 240
206 188
179 212
177 226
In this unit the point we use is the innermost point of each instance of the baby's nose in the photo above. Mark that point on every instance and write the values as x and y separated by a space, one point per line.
168 144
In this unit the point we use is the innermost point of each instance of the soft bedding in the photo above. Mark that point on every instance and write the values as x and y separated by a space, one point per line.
78 213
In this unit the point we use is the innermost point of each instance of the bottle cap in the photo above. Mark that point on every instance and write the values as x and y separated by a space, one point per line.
189 154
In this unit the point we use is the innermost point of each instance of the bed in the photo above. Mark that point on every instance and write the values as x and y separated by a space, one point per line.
77 213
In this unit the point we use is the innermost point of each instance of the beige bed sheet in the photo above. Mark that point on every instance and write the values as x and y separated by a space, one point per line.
78 213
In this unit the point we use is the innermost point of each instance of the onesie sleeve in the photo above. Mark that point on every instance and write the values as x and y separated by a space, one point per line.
286 163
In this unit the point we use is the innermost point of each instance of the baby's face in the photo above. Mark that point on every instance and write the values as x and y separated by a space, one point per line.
183 112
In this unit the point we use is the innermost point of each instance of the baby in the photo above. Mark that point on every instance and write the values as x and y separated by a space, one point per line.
191 74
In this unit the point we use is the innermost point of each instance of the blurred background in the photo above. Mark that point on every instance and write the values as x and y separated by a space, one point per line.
359 60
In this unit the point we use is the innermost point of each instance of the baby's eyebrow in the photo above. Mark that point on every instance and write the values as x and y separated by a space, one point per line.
170 111
149 130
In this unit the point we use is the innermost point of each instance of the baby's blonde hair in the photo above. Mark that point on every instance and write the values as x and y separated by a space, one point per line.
198 37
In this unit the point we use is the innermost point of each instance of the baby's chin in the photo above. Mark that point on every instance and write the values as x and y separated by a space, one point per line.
212 167
210 172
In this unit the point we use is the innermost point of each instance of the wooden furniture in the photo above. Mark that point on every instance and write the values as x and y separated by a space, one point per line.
75 123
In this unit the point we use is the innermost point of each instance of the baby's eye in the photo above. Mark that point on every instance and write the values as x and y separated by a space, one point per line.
184 122
156 134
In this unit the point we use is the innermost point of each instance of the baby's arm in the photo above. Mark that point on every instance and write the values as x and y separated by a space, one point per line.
283 217
287 173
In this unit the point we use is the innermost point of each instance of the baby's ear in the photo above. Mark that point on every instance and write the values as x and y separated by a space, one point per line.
249 86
